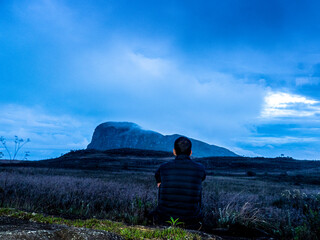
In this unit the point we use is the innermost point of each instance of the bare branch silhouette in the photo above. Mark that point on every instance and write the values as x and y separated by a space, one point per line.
18 144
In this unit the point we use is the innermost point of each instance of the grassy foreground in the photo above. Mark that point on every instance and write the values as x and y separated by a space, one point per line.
128 232
272 205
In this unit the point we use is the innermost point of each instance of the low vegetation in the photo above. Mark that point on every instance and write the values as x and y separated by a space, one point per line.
128 232
238 205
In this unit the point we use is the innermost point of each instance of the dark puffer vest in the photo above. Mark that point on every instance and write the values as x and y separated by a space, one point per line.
180 190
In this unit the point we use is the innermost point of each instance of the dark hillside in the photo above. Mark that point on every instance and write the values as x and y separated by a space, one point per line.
111 160
257 163
149 160
123 152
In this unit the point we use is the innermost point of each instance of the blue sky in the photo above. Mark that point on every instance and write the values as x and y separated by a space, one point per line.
239 74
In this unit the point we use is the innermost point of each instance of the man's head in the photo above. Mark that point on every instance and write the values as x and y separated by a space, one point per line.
182 146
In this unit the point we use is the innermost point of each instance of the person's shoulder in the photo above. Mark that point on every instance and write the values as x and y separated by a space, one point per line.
198 165
166 164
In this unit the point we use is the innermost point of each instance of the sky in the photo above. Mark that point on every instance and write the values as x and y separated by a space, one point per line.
241 74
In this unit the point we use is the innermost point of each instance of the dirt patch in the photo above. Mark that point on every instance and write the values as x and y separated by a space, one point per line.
19 229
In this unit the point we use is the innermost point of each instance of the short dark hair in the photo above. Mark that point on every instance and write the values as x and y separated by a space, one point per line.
182 146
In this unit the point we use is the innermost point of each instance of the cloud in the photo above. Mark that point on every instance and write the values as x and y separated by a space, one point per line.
161 93
120 75
287 125
263 141
302 81
173 68
280 104
245 152
48 19
50 134
149 66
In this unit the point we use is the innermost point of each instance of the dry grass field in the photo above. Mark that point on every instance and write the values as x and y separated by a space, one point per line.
247 202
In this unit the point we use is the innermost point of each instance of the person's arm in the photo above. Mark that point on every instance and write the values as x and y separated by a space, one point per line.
158 178
204 174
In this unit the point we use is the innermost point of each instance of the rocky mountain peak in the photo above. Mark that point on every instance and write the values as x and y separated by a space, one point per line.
115 135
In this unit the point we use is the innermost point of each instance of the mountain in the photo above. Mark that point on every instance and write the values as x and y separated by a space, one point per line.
115 135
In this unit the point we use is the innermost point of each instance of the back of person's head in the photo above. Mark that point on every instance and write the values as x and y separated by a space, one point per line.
182 146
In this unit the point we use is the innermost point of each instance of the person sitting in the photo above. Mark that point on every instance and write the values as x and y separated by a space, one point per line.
180 187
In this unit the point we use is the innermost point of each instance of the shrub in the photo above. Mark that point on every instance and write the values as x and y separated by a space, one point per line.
310 228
